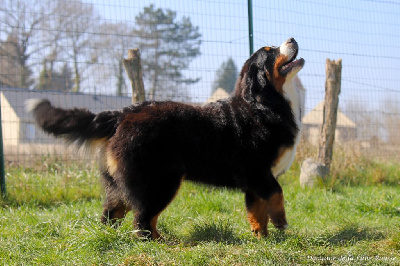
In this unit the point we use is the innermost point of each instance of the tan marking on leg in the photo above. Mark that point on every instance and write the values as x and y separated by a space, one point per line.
120 211
153 223
276 210
153 226
113 215
258 217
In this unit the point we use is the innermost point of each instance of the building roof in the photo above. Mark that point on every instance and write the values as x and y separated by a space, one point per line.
315 117
218 94
95 103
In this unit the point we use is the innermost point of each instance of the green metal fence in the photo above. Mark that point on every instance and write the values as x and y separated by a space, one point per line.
72 51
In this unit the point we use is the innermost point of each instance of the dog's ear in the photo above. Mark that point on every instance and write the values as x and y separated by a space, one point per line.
254 77
242 86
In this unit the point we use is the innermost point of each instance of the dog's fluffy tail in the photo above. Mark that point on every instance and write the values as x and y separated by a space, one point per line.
74 125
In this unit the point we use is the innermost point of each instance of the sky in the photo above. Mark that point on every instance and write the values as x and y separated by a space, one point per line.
365 34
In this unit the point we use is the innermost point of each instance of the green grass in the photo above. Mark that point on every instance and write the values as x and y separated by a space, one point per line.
51 217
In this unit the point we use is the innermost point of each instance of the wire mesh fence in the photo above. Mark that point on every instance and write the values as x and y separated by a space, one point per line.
71 52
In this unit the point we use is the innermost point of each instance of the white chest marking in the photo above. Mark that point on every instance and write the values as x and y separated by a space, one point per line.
287 154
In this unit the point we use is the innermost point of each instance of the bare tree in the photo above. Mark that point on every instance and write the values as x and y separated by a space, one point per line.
21 22
115 42
80 20
55 80
56 25
12 73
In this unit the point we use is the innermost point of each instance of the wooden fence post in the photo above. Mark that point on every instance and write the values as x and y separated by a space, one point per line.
133 67
332 90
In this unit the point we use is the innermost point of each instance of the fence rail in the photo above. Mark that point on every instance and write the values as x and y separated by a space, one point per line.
72 52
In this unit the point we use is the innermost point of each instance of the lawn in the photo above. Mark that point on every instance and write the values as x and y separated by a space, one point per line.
51 217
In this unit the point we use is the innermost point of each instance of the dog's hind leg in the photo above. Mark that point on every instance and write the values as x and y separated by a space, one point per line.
115 208
150 202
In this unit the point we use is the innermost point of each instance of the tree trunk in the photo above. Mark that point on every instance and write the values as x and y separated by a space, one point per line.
77 79
120 79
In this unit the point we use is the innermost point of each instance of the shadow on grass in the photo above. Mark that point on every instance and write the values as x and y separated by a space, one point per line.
353 233
211 231
347 235
277 236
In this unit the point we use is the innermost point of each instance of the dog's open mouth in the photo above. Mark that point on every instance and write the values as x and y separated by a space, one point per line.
290 65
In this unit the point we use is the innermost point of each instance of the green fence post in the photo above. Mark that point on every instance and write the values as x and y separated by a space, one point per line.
2 167
250 18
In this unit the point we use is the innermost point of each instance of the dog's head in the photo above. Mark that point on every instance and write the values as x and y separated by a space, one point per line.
269 69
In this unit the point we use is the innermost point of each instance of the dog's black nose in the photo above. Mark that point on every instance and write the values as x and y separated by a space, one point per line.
291 40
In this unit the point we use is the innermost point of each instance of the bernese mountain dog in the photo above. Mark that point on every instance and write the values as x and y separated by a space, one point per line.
147 149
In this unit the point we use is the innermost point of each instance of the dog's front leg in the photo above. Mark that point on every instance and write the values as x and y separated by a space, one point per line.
257 214
264 201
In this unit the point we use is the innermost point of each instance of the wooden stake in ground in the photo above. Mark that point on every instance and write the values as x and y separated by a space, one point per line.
332 90
133 67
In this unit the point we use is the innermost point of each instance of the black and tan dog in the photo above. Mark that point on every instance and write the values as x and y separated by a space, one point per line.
147 149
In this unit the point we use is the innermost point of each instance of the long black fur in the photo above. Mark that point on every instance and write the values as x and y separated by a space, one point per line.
154 145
